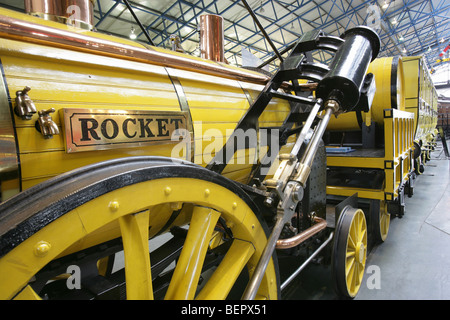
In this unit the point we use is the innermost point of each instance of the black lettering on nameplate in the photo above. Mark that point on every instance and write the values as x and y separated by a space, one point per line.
98 129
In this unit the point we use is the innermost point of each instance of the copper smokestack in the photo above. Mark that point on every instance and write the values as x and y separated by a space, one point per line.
79 13
211 37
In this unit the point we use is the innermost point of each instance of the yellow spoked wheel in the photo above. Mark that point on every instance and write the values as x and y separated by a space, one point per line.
87 217
349 252
382 221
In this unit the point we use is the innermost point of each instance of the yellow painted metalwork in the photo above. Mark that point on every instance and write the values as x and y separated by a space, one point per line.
66 77
385 220
187 273
83 229
396 161
412 119
61 79
27 294
362 193
218 286
134 230
357 162
421 99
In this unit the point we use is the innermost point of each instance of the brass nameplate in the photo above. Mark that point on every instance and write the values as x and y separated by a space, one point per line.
99 129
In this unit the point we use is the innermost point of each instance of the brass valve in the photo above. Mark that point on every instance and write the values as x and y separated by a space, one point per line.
25 107
47 126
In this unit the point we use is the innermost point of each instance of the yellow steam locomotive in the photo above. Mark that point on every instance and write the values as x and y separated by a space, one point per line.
197 173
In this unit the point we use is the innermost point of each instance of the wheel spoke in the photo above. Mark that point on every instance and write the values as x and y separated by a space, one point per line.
355 281
350 272
134 230
224 277
350 253
187 271
349 265
361 228
352 238
384 222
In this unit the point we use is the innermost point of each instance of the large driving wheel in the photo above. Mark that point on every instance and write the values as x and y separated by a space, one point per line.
349 252
86 217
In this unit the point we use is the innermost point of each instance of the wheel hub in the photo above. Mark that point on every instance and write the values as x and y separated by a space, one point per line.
360 250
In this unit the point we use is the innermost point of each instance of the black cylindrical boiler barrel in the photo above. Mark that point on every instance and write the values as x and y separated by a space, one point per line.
349 66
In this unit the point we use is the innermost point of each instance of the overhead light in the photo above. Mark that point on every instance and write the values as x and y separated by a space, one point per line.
442 40
394 21
133 35
404 50
261 8
429 49
385 5
292 25
401 39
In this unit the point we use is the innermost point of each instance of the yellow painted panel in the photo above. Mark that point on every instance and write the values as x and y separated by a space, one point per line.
411 67
61 78
206 114
36 165
30 140
362 193
355 162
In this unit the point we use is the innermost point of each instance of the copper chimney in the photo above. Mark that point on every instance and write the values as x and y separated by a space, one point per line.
77 13
211 37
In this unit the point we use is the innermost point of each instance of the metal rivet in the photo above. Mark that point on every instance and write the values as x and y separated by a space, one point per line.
114 205
234 205
42 248
167 190
207 192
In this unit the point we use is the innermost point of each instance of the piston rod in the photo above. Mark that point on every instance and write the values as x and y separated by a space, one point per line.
291 195
307 159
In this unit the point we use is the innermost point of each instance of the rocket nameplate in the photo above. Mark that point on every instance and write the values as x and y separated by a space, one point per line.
100 129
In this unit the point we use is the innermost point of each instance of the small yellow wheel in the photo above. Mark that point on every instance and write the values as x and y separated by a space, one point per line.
382 221
349 252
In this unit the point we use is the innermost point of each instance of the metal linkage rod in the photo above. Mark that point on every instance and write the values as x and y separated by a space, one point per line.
255 281
291 194
304 264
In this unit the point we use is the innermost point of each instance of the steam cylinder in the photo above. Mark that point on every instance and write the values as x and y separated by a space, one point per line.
349 67
390 93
